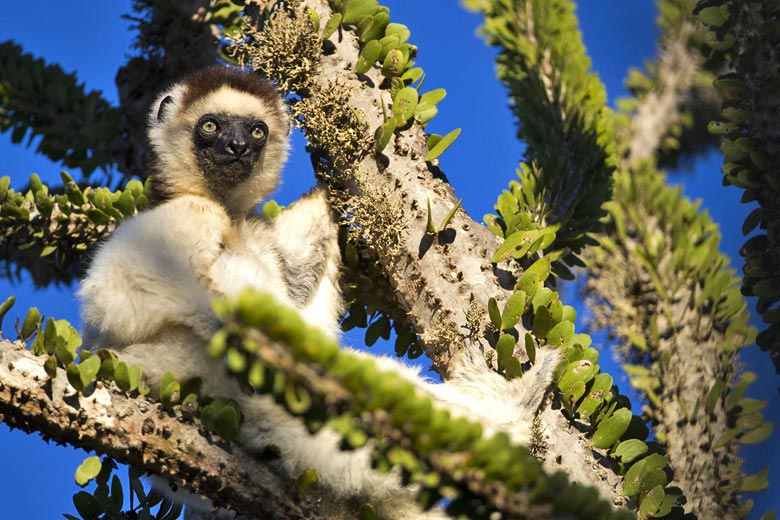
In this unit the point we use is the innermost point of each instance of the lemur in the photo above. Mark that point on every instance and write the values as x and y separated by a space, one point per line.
218 140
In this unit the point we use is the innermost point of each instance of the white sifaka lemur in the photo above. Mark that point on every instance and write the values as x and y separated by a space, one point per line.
218 140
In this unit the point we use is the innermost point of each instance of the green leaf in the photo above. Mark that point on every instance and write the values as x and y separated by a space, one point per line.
757 435
384 134
530 347
404 105
379 328
517 245
714 395
629 450
505 348
50 366
127 377
88 370
297 399
611 429
446 220
754 483
426 108
543 322
372 27
256 375
170 390
441 145
117 498
513 310
357 10
651 502
5 307
368 56
306 479
314 17
494 313
513 368
714 16
235 360
330 27
87 505
31 322
367 512
645 475
88 470
47 250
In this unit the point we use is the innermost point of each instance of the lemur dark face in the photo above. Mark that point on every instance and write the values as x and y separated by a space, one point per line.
227 147
219 133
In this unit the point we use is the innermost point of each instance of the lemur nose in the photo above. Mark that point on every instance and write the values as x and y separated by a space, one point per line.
237 148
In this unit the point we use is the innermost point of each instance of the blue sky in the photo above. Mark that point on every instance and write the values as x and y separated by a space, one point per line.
36 480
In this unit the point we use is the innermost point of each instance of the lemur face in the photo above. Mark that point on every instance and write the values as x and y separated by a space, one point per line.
227 147
219 133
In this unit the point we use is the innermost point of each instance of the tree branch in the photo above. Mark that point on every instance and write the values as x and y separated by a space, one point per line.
140 433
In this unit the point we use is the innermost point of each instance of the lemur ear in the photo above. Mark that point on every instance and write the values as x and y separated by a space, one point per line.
161 111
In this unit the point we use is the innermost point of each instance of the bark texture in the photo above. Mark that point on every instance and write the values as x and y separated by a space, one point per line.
135 431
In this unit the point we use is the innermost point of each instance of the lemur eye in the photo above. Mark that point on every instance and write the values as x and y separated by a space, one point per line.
209 126
259 131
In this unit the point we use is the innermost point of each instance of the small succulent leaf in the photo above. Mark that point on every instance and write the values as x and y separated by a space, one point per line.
306 479
87 505
494 313
404 104
368 56
629 450
754 483
448 217
651 502
530 347
31 322
505 348
5 307
611 429
441 145
513 310
331 26
88 470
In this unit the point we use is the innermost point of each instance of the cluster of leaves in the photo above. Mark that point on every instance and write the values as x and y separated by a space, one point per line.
586 393
107 499
384 45
273 350
58 340
746 35
76 128
563 119
48 231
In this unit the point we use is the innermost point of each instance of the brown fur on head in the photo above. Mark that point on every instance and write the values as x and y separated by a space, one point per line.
181 156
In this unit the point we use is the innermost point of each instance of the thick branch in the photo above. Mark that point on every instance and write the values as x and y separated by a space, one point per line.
659 301
434 278
138 432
